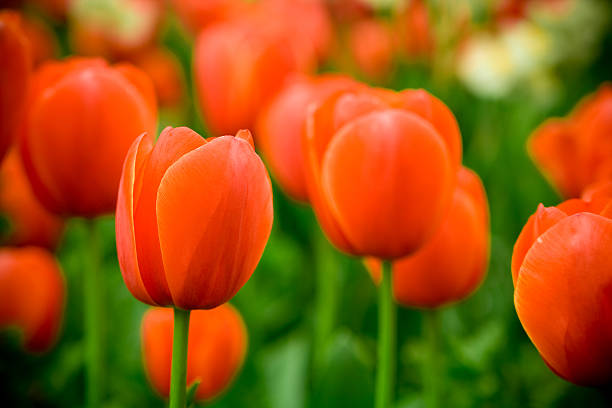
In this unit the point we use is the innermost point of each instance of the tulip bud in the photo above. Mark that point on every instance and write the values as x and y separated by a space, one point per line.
573 152
217 346
193 218
82 117
31 295
30 222
562 273
380 169
14 76
451 265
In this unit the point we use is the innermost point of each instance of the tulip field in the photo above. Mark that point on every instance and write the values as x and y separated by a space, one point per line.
306 203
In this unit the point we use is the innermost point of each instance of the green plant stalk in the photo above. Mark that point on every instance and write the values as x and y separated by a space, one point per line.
431 372
385 370
93 312
325 298
178 373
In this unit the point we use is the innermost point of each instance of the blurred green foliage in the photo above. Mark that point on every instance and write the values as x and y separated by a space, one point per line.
487 358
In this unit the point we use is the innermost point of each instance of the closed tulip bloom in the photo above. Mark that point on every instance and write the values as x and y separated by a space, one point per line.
14 76
193 218
372 47
217 347
30 222
451 265
281 125
251 62
381 169
562 274
82 117
165 71
197 15
31 296
574 152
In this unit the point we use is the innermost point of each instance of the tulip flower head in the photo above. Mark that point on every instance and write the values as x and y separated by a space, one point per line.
216 350
574 152
381 169
14 76
31 296
281 125
30 222
372 47
451 265
193 217
562 274
82 117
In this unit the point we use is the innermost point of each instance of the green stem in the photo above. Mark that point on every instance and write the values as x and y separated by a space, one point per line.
326 298
178 374
92 298
431 377
385 375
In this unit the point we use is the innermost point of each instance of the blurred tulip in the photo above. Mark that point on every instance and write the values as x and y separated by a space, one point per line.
415 29
280 127
216 351
43 43
197 14
380 169
14 76
562 273
193 218
31 296
114 29
427 278
349 10
239 66
371 44
54 8
574 152
166 72
82 117
30 223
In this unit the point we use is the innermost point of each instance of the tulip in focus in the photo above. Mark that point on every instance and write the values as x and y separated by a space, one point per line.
562 274
31 296
451 265
82 117
381 169
30 222
193 218
574 152
280 127
14 76
216 351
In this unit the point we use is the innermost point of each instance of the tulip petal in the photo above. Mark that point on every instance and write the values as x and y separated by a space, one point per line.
563 298
214 215
171 145
129 190
387 176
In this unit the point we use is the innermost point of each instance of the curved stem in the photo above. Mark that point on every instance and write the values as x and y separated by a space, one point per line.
178 374
92 298
431 377
385 374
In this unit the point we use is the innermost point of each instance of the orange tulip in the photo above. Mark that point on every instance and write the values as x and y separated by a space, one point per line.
281 125
380 169
31 295
574 152
14 76
427 278
197 14
562 273
253 55
415 29
31 223
82 117
216 351
371 45
193 218
43 42
166 72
